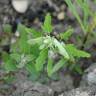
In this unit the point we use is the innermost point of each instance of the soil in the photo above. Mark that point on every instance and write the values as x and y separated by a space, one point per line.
34 17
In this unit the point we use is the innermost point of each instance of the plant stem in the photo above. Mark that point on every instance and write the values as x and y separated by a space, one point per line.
89 31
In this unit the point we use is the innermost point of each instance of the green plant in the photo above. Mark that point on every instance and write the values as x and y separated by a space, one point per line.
86 26
40 52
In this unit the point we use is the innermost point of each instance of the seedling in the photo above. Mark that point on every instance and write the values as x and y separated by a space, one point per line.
40 52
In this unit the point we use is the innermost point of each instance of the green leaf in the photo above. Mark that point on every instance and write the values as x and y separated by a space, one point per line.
30 67
9 79
72 50
35 50
75 13
61 63
7 28
41 59
15 56
61 48
49 66
66 35
38 40
25 59
34 32
9 65
23 44
78 69
85 8
55 77
94 1
47 26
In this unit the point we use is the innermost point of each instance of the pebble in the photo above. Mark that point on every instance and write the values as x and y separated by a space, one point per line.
89 77
17 34
61 16
36 21
13 40
20 5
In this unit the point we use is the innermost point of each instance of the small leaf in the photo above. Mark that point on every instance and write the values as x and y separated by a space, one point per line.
78 69
47 27
25 59
23 45
49 66
41 59
30 67
75 13
38 40
55 77
34 32
61 48
7 28
71 49
66 35
9 79
61 63
35 50
15 56
9 65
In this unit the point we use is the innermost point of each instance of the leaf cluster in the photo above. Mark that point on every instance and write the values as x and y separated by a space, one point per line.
37 52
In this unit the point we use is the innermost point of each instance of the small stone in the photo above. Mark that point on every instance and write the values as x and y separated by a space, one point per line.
17 34
20 5
61 95
89 77
61 16
13 40
36 21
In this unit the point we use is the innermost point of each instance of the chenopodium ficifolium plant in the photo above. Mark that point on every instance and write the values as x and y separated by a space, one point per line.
40 52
